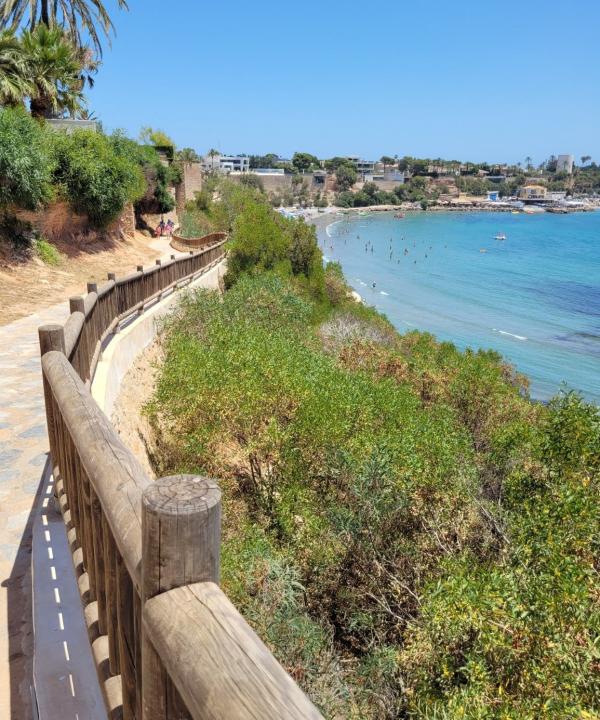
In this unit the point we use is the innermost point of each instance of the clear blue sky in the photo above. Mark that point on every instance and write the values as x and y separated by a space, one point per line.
469 79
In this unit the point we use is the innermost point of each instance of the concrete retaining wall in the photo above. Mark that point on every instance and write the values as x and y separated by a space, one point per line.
125 346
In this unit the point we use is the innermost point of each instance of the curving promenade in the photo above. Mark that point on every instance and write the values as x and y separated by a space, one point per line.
24 501
23 453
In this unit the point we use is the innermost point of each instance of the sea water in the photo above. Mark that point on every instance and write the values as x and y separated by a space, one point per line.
534 297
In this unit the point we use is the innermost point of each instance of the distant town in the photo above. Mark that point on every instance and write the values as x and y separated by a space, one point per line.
560 184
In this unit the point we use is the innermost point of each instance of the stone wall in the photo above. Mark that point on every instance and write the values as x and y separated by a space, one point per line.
191 183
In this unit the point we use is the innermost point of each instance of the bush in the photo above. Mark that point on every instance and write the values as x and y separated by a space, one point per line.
194 225
409 534
264 240
47 252
95 175
25 162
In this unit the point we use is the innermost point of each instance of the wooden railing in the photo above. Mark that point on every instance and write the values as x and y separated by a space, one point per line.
166 641
184 244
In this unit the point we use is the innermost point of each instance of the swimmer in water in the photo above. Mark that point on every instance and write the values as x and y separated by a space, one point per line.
374 285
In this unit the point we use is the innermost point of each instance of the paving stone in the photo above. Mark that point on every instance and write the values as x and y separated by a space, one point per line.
37 431
39 460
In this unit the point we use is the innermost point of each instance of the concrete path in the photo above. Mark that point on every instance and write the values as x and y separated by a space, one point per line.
23 454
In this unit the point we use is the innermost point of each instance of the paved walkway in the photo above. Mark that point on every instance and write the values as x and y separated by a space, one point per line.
23 454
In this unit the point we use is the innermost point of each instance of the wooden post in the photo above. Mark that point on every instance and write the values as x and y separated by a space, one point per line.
140 268
52 337
111 276
92 287
76 304
181 536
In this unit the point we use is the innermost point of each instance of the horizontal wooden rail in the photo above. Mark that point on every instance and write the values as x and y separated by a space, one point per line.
196 626
146 553
184 244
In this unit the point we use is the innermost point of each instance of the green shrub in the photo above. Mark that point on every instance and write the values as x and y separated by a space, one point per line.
25 162
47 252
97 174
194 224
405 530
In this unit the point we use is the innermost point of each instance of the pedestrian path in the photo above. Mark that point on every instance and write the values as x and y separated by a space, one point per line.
23 453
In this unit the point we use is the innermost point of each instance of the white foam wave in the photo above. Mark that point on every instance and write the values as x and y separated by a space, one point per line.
327 229
505 332
383 293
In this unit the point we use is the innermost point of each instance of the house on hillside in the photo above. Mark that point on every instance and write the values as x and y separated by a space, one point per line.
226 164
533 193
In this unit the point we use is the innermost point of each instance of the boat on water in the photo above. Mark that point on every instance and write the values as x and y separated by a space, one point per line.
482 250
399 215
500 236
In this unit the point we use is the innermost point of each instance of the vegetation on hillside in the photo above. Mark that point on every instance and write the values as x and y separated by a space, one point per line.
409 534
98 174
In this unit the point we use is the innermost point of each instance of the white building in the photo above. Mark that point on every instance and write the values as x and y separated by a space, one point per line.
226 164
564 163
363 167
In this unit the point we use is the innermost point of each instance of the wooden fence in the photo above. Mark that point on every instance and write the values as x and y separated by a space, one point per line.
185 244
167 643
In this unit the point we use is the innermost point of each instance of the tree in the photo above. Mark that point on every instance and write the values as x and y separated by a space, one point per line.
14 83
386 160
345 177
585 159
25 163
188 155
304 161
551 163
270 160
79 19
158 138
54 69
528 165
334 163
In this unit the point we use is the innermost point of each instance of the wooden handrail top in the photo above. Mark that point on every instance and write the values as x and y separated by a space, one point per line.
116 475
219 665
72 330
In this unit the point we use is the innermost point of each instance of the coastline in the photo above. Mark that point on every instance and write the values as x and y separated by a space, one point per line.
541 347
315 215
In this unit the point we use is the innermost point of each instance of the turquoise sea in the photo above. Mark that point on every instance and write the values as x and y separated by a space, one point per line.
534 297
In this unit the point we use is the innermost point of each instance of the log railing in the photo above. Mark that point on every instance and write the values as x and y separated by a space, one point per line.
167 643
185 244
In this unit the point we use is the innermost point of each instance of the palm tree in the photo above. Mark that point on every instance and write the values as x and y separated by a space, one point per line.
14 85
528 161
585 159
55 69
77 17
